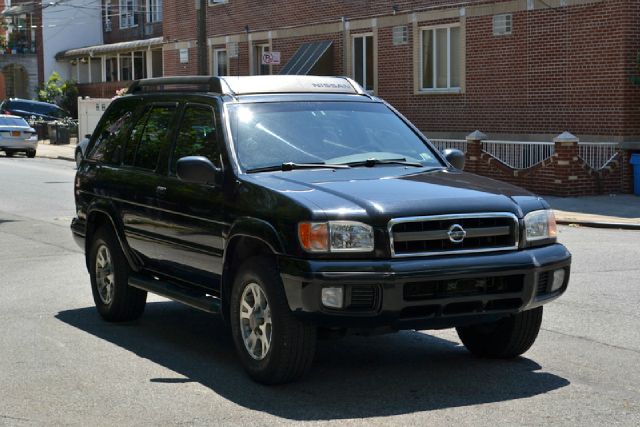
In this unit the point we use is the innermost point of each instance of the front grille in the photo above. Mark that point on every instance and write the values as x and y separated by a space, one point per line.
451 234
436 289
362 297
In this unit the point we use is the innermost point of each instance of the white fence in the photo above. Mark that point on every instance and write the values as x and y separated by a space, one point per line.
523 155
597 154
442 144
518 154
89 112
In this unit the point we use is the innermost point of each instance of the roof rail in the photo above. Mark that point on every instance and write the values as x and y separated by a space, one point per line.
211 84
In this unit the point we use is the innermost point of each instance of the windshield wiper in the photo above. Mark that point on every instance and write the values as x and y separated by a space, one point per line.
289 166
373 162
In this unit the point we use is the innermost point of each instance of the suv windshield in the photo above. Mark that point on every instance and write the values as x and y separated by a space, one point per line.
270 134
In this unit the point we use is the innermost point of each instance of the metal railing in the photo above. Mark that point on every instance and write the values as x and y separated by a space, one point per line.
519 154
459 144
597 154
525 154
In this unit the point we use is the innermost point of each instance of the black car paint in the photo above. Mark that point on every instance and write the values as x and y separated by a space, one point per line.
179 231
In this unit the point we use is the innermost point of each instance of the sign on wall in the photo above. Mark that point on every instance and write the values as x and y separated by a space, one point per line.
271 58
184 56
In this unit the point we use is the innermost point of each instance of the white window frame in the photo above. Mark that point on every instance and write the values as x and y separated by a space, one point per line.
154 11
257 61
127 14
214 71
449 88
364 59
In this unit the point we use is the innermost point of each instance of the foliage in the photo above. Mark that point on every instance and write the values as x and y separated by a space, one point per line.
63 93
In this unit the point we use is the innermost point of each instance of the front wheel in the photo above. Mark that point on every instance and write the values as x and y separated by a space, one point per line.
274 346
115 300
505 338
31 154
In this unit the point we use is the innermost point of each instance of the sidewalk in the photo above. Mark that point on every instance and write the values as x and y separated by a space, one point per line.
57 151
609 211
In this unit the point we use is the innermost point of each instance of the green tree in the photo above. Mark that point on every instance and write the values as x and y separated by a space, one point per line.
63 93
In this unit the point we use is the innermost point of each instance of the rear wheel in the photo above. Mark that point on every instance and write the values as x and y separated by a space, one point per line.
115 300
505 338
274 346
9 153
31 154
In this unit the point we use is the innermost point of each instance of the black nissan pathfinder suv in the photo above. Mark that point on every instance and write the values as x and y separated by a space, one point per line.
297 204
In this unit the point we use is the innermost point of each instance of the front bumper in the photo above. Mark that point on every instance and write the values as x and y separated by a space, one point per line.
425 293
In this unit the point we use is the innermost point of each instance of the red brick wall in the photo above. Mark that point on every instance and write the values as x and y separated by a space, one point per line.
563 174
561 69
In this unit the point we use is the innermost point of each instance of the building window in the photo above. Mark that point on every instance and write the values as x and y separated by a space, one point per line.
363 61
154 11
502 24
128 15
111 69
441 52
220 62
258 67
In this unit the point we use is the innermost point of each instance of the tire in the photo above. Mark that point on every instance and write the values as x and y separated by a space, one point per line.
115 300
31 154
78 157
504 339
290 342
9 153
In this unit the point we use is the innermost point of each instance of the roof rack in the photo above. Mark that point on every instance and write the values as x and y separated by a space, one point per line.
250 85
182 83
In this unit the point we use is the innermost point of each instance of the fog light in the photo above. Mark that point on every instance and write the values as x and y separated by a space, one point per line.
558 280
332 297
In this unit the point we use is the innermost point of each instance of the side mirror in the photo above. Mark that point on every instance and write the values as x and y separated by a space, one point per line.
197 169
455 157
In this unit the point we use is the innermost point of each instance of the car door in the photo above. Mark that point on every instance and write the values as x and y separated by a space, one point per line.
192 214
139 178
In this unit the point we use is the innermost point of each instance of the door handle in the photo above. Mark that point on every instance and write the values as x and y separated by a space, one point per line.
161 191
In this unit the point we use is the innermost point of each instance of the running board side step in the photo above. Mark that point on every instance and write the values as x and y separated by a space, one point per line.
177 293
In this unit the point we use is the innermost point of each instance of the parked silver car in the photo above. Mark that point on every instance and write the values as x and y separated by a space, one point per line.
17 136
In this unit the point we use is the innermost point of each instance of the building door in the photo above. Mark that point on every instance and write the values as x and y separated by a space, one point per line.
16 81
363 64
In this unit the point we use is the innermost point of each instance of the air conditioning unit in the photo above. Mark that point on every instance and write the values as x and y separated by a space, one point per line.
212 2
107 25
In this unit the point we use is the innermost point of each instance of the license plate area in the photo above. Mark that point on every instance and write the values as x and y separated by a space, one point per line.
16 133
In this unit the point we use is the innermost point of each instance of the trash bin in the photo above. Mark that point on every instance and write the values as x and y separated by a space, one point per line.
52 130
635 161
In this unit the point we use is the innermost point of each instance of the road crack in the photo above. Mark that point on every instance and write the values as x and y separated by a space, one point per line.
592 340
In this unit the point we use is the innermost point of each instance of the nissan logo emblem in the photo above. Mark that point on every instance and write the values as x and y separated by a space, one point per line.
456 233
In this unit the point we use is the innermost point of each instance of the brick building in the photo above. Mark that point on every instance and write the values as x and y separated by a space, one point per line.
521 70
132 48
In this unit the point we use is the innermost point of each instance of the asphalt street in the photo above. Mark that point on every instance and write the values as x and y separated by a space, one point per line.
60 364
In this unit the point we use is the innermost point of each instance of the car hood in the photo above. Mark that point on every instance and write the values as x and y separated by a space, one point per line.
386 192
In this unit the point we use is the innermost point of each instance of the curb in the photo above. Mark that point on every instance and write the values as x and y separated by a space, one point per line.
55 157
595 224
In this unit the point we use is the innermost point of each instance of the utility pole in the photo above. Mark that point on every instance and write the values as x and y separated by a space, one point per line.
201 6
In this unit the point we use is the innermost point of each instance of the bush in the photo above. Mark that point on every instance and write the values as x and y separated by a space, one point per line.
62 93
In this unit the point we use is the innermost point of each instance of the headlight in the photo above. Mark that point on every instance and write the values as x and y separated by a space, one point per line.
335 236
540 225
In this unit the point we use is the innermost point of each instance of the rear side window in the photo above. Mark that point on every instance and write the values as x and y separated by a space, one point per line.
196 135
111 133
149 137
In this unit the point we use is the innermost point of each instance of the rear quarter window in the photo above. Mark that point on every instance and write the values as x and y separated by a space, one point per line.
111 133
